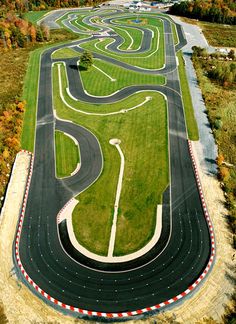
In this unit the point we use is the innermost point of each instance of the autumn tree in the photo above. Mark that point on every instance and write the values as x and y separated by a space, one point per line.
220 159
224 173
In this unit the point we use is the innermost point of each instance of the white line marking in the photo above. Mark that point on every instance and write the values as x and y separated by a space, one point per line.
108 76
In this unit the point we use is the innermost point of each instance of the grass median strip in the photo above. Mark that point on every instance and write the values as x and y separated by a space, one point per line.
192 127
67 155
143 133
174 33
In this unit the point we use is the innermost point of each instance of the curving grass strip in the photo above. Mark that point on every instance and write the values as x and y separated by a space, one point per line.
66 154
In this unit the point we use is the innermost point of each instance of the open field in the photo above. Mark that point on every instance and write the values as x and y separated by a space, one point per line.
218 35
134 129
187 101
67 155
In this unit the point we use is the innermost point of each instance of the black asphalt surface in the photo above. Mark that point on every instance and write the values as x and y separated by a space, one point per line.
150 280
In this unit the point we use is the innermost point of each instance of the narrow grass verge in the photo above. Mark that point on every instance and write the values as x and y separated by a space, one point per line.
67 155
192 127
174 33
30 94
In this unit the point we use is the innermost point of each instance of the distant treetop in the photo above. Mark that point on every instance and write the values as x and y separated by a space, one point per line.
218 11
29 5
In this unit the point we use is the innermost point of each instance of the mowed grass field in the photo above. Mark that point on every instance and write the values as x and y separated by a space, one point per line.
143 135
219 34
99 84
66 154
34 16
133 37
152 59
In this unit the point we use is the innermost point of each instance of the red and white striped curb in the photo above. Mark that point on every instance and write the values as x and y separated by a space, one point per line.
123 314
62 210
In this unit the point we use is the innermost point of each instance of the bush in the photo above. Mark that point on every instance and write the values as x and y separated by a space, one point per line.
224 173
218 124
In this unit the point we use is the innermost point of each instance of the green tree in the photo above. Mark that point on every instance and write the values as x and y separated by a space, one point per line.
231 54
86 60
39 35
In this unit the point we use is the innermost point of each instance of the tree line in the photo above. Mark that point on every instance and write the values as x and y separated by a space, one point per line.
16 32
218 11
35 5
11 120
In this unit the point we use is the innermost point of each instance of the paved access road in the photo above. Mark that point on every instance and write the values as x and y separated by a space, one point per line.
169 268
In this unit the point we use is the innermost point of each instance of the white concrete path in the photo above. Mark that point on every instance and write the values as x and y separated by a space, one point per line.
116 143
66 213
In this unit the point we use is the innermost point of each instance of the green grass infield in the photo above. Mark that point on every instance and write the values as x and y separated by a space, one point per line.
66 154
143 135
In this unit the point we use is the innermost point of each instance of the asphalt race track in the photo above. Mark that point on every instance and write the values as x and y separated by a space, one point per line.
170 267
